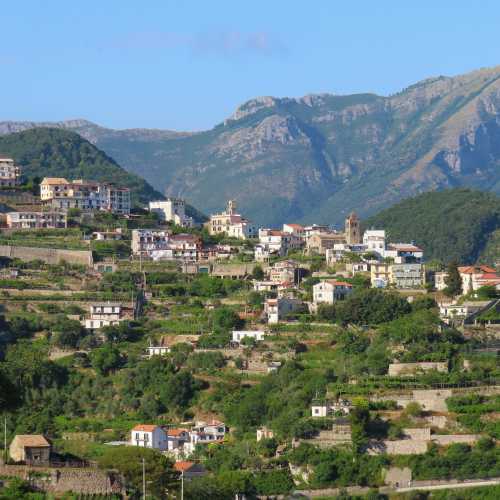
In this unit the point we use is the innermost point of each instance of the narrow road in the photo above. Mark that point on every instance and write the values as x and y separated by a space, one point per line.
452 485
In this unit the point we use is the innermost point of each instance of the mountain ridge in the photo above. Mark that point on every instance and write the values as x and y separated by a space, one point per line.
317 157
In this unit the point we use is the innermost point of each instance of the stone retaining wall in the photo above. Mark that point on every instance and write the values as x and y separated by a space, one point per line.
88 481
48 255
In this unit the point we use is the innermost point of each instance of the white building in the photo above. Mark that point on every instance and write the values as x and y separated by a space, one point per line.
205 433
185 247
108 235
266 286
176 439
320 409
103 314
10 173
239 335
148 240
157 349
276 310
404 253
162 245
264 433
276 242
149 436
172 210
283 272
439 280
297 230
451 312
324 408
374 240
329 291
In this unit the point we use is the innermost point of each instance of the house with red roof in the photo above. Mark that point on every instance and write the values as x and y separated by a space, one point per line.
149 436
190 470
176 438
474 277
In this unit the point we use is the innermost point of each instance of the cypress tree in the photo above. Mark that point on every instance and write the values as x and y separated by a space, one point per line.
453 281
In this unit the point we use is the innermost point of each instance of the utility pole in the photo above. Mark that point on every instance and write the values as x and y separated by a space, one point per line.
144 479
182 485
5 440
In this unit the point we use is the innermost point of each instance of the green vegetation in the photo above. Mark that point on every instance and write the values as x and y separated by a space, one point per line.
453 225
60 153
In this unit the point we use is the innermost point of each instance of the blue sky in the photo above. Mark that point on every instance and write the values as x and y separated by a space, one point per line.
186 65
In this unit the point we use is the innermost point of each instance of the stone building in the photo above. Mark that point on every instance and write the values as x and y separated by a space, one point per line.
31 449
353 230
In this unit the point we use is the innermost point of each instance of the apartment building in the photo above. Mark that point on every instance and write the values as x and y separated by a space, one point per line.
10 173
36 220
172 210
62 194
103 314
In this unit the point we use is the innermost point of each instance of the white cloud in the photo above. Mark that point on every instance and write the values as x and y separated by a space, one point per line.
216 43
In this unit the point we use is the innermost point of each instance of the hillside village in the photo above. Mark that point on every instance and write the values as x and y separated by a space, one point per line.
219 358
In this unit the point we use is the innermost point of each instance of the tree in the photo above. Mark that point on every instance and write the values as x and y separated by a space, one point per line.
453 280
255 299
106 359
360 418
225 319
19 489
257 273
67 332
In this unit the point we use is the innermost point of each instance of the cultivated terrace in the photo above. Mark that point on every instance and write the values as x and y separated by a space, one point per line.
212 358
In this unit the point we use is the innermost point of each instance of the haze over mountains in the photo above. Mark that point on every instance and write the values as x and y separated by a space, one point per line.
318 157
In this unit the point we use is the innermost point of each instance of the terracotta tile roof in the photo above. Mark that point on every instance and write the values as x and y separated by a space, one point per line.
339 283
295 226
183 466
185 236
32 440
476 269
404 247
176 432
216 422
145 427
54 180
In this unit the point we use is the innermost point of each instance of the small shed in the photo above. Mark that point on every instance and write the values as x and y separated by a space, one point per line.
32 449
190 470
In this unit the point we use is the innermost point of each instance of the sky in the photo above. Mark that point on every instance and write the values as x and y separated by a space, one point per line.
187 65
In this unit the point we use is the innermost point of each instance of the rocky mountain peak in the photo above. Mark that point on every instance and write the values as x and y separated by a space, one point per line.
252 106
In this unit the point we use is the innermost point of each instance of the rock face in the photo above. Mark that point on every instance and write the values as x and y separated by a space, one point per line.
320 156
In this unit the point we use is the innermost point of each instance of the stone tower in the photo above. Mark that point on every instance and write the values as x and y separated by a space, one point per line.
353 230
231 207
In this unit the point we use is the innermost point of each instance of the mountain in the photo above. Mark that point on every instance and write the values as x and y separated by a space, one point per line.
318 157
455 224
61 153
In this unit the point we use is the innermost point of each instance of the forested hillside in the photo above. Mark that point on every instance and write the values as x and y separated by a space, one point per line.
456 224
61 153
